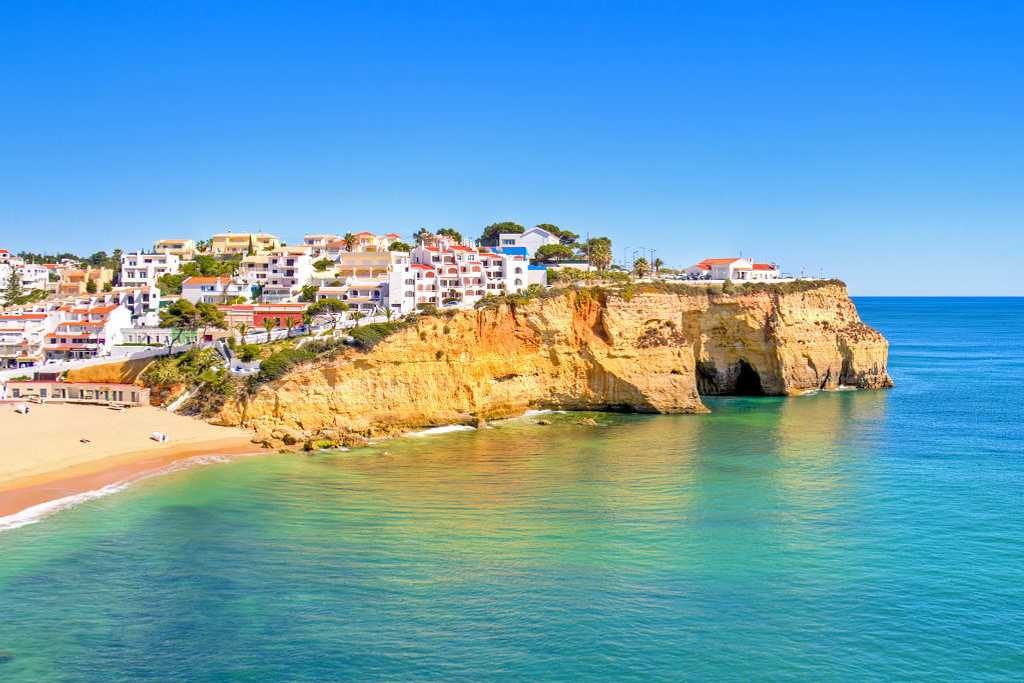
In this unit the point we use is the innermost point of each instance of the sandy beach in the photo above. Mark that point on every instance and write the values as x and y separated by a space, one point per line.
43 459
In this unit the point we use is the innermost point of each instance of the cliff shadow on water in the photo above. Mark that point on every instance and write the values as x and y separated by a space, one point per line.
646 348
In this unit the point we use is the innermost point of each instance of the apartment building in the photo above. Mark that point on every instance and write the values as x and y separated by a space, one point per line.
254 270
362 242
228 243
213 290
30 275
142 302
290 268
143 270
446 273
23 335
318 242
75 282
183 249
86 331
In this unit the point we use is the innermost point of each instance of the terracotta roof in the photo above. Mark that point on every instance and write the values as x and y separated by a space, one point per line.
393 234
363 233
765 266
201 280
717 261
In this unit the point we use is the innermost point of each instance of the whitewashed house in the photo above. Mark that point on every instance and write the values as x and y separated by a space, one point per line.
533 239
143 270
735 269
213 290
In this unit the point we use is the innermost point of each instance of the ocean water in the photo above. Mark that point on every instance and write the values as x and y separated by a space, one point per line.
841 536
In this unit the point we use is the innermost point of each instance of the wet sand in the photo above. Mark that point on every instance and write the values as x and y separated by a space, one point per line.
43 459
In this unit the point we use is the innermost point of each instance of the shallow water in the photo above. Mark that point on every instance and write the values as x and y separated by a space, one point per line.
841 536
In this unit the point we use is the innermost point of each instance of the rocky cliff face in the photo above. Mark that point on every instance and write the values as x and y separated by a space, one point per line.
657 350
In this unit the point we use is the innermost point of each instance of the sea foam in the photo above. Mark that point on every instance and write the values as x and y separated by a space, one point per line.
34 514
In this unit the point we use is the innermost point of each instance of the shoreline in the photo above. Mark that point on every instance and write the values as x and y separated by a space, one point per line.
18 495
61 450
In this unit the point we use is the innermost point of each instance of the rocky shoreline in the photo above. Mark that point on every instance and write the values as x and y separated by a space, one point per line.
653 349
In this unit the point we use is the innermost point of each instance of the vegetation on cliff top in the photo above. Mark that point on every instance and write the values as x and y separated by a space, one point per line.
628 290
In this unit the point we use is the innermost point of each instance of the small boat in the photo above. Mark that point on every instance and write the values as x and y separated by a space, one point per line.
159 437
21 408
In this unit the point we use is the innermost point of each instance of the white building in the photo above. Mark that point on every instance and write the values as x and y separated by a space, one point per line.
143 270
143 302
86 331
183 249
446 273
532 239
369 281
736 269
31 275
213 290
317 242
23 335
254 270
289 269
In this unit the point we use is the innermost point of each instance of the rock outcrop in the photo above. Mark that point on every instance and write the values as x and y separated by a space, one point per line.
646 349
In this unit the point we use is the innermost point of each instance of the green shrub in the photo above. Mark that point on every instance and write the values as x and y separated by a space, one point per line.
249 352
276 364
368 336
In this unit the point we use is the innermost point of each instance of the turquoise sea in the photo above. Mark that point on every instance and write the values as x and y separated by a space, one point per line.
841 536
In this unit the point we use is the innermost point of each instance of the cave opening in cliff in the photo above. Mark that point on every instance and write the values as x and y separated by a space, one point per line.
748 382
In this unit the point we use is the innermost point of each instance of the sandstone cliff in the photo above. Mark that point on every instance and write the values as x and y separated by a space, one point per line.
647 350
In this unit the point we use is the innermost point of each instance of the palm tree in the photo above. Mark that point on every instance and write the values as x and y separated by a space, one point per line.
268 325
243 329
658 265
350 242
388 313
641 267
422 236
289 323
599 252
357 316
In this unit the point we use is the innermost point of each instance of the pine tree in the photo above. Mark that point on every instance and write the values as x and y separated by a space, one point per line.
13 291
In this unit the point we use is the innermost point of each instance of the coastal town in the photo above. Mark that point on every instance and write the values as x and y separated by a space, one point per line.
236 290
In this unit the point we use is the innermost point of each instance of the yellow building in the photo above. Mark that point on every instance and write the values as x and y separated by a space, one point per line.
367 264
238 243
183 249
76 282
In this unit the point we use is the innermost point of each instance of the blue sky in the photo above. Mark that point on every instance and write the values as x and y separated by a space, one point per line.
883 143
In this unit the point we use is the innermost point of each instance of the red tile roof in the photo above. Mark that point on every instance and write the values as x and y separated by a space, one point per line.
765 266
201 280
717 261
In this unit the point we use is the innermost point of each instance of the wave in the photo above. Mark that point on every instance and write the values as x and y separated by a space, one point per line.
36 513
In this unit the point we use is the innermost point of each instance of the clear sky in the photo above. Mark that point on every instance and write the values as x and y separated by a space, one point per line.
880 142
